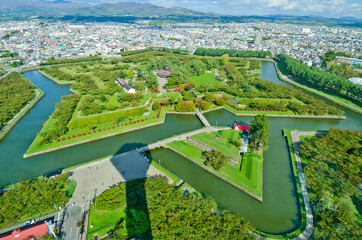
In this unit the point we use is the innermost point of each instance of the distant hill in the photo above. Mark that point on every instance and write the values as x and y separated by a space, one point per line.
61 8
132 11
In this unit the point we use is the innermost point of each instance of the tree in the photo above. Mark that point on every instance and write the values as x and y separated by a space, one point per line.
259 133
219 101
239 142
225 58
331 164
209 97
156 105
215 159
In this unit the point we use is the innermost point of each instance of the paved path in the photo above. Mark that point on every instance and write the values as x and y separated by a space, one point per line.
180 137
307 233
18 69
161 83
94 178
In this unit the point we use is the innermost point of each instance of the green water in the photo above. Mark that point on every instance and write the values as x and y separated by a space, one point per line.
279 211
13 168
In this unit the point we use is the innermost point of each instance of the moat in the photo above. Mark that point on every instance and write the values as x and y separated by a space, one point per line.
277 214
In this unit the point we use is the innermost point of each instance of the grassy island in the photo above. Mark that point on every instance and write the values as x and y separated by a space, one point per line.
324 157
100 106
331 165
219 153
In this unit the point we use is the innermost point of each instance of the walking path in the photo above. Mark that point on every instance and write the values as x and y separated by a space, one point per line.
307 233
180 137
161 83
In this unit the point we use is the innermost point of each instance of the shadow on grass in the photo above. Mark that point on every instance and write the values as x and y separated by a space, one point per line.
133 168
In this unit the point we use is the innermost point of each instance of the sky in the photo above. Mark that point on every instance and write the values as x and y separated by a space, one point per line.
324 8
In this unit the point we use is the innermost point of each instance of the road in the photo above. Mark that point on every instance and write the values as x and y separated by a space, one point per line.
71 215
8 71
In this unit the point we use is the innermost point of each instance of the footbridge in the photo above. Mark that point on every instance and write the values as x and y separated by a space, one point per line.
202 118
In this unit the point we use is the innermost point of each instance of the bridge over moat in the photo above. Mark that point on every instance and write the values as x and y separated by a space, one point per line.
202 118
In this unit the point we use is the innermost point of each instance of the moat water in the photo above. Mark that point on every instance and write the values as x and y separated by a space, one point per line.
278 213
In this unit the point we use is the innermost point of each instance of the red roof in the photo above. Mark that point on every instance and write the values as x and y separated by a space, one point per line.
28 232
242 127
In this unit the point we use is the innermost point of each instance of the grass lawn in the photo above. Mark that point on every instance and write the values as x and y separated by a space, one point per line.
305 138
207 79
252 167
169 94
221 141
230 172
103 220
70 188
169 174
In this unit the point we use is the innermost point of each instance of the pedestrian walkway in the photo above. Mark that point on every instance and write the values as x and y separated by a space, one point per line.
94 178
307 233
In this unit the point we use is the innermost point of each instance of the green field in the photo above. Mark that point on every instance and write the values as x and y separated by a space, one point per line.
207 79
103 219
251 181
222 141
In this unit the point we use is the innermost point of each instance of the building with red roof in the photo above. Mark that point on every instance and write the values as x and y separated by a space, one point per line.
242 127
28 232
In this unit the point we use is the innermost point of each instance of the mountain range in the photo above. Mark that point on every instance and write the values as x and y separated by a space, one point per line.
131 11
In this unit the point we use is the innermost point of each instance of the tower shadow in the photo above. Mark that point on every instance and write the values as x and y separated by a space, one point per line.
134 169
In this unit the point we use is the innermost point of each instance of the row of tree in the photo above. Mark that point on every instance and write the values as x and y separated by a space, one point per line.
61 116
70 60
321 80
15 93
217 52
332 168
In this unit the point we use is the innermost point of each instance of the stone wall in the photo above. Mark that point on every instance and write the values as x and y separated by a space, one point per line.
200 145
